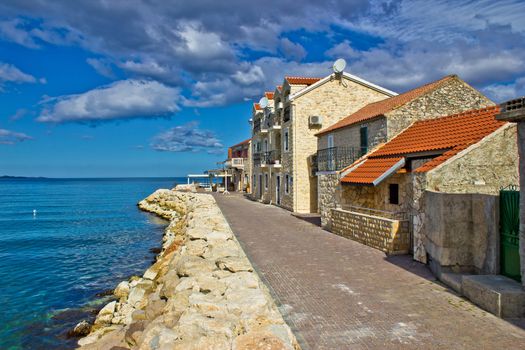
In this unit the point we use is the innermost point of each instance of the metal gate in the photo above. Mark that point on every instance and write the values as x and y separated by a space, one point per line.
509 232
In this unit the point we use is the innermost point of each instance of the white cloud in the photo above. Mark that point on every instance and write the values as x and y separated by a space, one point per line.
342 50
294 51
101 66
8 137
10 73
503 92
123 99
253 75
12 30
187 138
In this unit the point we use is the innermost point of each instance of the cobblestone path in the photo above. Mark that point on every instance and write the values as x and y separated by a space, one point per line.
338 294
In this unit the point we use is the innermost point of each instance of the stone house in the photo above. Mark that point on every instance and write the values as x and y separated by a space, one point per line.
514 111
432 190
340 144
301 107
238 166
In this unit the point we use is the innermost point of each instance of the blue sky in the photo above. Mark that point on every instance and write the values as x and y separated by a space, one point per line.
161 88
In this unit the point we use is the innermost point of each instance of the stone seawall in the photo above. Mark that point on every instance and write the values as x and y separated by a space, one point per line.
201 293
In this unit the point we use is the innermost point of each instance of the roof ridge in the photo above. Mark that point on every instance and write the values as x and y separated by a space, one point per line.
460 114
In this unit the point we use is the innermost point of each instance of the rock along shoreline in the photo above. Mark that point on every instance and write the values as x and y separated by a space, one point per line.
201 293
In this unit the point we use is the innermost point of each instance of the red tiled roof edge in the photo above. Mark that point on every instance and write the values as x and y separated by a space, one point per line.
241 143
293 80
347 121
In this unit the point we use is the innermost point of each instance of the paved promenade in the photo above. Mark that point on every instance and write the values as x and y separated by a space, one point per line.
339 294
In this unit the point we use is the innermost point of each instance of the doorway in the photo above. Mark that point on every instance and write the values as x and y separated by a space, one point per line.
278 189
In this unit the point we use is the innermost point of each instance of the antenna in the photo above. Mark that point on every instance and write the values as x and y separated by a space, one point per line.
339 66
263 102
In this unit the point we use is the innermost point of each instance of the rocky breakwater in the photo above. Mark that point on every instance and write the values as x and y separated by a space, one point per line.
201 293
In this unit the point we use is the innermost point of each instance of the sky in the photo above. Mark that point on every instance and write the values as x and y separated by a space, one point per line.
100 88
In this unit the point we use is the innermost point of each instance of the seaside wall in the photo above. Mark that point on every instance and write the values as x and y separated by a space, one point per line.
202 292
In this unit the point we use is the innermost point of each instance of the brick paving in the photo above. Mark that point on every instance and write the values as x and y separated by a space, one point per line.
338 294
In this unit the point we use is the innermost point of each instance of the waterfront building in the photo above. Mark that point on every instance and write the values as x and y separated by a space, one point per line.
284 143
237 165
342 143
433 190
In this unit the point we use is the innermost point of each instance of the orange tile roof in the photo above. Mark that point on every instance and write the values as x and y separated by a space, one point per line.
257 107
279 87
301 80
269 95
241 143
446 135
443 133
376 109
370 170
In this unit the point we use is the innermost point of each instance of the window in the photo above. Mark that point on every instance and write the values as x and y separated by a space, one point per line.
286 184
287 114
286 145
363 133
394 193
266 182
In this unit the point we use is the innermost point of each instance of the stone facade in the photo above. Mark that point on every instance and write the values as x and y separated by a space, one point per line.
453 96
462 232
390 236
521 143
332 101
484 167
327 185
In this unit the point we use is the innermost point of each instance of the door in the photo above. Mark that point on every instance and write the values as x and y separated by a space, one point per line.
278 189
509 232
260 185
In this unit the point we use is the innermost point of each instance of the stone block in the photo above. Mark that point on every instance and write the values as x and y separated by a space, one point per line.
496 294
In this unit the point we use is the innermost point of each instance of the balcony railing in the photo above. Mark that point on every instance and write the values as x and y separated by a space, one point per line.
275 120
257 158
262 124
336 158
237 163
271 158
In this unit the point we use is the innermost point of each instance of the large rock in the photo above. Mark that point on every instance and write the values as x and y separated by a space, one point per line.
192 266
222 249
196 247
122 290
234 264
259 341
241 280
106 314
247 301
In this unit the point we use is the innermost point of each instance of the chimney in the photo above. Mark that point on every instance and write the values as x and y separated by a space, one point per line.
513 110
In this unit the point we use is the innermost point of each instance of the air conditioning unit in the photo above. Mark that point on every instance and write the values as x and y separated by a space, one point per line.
279 105
316 120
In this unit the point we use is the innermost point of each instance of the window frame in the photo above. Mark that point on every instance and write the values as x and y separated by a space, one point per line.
393 193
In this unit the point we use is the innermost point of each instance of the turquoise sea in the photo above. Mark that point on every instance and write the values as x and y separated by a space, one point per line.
85 237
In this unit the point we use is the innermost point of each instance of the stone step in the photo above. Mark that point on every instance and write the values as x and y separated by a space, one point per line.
452 280
496 294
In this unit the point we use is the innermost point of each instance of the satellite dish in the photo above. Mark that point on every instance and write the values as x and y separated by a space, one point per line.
339 66
263 102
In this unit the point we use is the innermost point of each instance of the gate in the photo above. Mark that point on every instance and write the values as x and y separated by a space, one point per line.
509 232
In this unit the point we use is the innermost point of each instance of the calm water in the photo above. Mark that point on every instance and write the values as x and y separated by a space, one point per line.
87 235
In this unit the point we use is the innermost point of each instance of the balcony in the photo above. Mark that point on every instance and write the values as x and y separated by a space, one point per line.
257 159
275 121
337 158
264 159
237 163
261 125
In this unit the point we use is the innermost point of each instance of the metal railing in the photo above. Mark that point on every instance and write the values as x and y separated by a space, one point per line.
272 157
257 158
274 119
336 158
256 126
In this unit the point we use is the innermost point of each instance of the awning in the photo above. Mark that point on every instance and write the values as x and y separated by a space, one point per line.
373 170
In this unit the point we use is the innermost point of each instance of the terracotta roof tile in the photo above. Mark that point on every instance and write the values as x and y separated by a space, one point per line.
376 109
279 87
269 95
370 170
241 143
443 133
301 80
257 107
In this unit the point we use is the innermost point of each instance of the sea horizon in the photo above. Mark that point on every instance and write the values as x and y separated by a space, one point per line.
64 243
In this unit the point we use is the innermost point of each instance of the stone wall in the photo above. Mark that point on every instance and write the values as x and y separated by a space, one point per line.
452 97
201 293
482 168
521 143
389 236
328 187
333 101
462 232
